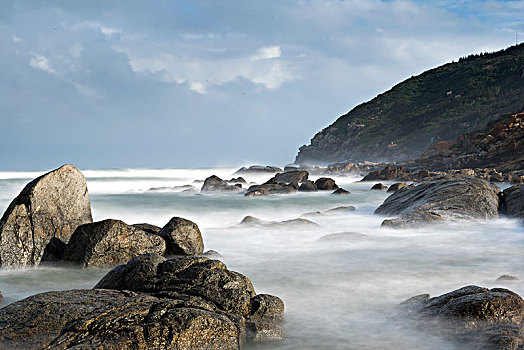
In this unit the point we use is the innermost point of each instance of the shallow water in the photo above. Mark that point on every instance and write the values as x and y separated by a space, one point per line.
339 293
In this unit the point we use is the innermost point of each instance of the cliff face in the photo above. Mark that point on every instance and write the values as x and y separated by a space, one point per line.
438 105
501 146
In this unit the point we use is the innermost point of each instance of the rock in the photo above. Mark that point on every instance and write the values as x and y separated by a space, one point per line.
388 173
341 209
51 206
251 220
182 237
496 177
237 180
1 300
326 184
396 186
216 184
257 169
517 180
446 197
299 222
110 242
288 177
308 186
507 278
379 186
212 254
513 198
268 189
149 303
257 192
293 223
343 236
184 188
54 251
421 175
147 227
473 315
341 191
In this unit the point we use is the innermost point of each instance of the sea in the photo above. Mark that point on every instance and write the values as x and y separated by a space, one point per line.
341 280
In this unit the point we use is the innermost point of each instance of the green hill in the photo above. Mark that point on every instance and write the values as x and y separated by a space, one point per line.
437 105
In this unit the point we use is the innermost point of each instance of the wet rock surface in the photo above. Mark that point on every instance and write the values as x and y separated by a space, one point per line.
182 237
326 184
216 184
149 303
109 243
480 318
51 206
445 197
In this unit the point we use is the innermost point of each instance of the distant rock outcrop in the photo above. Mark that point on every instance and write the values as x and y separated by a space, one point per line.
49 208
258 169
439 198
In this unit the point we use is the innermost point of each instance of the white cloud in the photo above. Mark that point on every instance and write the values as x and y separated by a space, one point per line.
107 31
42 63
198 87
17 39
269 52
76 50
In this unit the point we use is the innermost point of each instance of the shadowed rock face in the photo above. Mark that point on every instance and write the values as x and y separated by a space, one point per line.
440 198
51 206
149 303
484 318
182 237
109 243
514 201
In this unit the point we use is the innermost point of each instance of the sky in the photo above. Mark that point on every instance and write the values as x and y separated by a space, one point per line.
201 83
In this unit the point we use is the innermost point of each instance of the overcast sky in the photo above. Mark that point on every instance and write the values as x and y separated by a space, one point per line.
116 84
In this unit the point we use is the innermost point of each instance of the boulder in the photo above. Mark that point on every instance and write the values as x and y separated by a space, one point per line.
147 227
182 237
237 180
308 186
268 189
326 184
251 220
216 184
388 173
396 186
507 278
379 186
109 243
341 191
513 198
298 223
479 317
445 197
288 177
149 303
51 206
341 209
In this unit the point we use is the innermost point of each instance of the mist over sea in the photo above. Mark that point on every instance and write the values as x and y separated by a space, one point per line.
340 293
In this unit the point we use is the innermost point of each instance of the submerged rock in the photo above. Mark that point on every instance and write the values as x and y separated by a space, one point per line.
109 243
441 198
182 237
149 303
293 223
379 186
472 315
341 209
326 184
507 278
341 191
51 206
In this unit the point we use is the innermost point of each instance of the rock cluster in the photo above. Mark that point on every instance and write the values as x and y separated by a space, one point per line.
478 317
149 303
216 184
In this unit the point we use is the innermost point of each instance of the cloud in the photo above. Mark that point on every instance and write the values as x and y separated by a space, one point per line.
266 53
42 63
17 39
105 30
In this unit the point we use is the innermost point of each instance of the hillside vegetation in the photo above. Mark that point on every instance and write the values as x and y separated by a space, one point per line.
437 105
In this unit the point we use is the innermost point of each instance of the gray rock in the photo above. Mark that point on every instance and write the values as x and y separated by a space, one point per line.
216 184
269 189
297 176
258 169
149 303
293 223
379 186
441 198
507 278
514 201
51 206
237 180
212 254
341 209
183 188
326 184
341 191
109 243
251 220
397 186
182 237
308 186
473 315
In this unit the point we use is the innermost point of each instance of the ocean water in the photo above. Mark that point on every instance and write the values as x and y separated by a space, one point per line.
340 293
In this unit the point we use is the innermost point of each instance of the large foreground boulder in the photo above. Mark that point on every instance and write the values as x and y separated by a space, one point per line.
109 243
479 317
50 207
182 237
445 197
149 303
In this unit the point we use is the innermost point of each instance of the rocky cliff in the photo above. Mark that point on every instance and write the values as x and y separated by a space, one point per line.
437 105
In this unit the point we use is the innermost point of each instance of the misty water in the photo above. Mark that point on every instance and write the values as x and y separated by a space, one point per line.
340 293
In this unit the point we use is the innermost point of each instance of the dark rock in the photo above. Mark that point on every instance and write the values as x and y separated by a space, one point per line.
257 192
1 300
182 237
514 201
479 316
238 180
149 303
440 198
308 186
397 186
54 251
326 184
147 227
257 169
341 191
267 189
251 220
216 184
238 185
421 175
388 173
496 177
110 242
297 176
51 206
379 186
507 278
